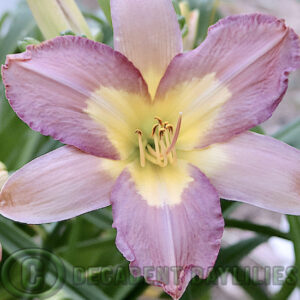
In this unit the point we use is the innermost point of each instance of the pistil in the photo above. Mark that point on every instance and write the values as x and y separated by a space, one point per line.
176 134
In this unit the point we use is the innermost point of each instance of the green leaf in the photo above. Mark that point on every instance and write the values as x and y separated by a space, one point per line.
14 239
132 291
294 222
251 286
105 6
228 207
231 255
101 218
21 143
258 129
21 25
288 286
3 18
261 229
290 133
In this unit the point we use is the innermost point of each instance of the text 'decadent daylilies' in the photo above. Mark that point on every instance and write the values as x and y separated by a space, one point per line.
158 134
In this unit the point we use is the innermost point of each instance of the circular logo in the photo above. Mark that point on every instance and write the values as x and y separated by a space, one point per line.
32 272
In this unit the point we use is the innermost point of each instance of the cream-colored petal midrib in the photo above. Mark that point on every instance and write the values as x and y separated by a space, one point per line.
171 244
231 75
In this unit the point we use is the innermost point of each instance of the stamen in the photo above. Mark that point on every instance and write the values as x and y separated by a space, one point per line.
151 150
156 148
153 160
163 150
169 127
154 129
142 150
171 130
167 139
161 132
164 153
159 121
175 137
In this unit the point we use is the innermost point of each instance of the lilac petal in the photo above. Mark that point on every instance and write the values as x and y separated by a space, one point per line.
255 169
182 239
52 86
148 34
233 81
59 185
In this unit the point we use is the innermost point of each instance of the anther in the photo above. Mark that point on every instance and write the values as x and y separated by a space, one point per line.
159 121
165 138
169 127
154 129
161 132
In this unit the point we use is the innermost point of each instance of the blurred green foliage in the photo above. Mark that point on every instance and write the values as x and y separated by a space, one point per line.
89 241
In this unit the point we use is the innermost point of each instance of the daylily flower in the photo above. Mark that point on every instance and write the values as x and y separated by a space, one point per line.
158 134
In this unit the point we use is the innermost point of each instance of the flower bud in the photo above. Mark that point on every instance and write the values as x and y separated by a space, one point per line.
192 20
25 42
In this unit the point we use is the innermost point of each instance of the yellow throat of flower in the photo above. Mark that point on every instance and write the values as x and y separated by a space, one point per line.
160 148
